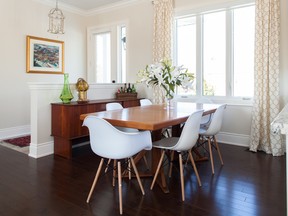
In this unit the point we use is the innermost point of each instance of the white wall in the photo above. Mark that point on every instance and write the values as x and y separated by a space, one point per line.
139 33
27 17
19 18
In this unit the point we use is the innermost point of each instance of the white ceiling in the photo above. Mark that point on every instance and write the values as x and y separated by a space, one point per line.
89 7
89 4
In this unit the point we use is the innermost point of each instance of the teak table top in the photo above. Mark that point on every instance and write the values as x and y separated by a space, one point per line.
153 117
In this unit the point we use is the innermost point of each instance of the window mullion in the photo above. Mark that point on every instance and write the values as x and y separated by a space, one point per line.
229 53
199 55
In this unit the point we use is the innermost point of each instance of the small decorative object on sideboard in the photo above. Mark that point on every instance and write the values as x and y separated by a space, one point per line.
66 94
126 93
82 87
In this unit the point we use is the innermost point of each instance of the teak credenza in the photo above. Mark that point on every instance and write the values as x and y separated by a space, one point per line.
67 127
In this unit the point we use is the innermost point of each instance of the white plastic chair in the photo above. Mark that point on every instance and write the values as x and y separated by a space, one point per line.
208 134
181 144
109 142
145 102
115 106
205 121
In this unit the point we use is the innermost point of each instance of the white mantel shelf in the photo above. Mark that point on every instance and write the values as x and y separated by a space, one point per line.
280 125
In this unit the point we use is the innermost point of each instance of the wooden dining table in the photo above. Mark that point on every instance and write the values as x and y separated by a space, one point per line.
154 118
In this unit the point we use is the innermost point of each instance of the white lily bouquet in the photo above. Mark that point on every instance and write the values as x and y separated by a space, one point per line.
166 76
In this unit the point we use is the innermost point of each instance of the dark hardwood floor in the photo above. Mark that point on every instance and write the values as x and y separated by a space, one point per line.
248 184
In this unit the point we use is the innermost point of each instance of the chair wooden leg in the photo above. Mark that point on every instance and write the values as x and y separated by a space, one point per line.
211 155
107 166
218 150
194 167
120 187
114 173
137 175
181 177
171 164
158 169
95 180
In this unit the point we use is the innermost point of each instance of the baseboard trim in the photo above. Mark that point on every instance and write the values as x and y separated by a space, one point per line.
19 131
38 150
233 139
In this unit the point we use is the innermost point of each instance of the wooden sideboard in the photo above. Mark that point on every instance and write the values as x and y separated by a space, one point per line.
66 124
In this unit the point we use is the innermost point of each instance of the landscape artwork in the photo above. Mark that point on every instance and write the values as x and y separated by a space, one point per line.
44 55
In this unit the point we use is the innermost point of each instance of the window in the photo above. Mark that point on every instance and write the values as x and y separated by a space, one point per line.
107 54
103 57
122 55
218 47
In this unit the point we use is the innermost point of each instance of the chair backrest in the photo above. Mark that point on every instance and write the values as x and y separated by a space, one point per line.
190 132
145 102
207 118
216 122
113 106
117 106
109 142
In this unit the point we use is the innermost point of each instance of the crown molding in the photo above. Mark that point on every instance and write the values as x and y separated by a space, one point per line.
92 12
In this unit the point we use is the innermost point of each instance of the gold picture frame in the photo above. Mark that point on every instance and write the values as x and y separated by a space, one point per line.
44 55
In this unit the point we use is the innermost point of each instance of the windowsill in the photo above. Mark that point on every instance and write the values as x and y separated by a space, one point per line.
235 101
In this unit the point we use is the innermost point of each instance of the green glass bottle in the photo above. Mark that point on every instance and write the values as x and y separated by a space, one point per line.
66 95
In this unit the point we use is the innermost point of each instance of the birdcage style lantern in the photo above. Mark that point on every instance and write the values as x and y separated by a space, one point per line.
56 20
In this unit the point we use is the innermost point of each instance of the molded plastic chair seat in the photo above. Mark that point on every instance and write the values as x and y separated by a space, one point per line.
184 143
115 106
109 142
207 133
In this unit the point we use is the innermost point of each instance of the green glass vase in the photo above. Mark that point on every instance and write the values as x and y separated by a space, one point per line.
66 94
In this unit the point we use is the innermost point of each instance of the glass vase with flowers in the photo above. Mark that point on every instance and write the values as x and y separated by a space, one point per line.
167 77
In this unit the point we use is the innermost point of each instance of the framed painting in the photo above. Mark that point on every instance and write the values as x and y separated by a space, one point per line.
44 55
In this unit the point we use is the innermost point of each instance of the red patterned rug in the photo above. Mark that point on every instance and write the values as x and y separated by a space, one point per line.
20 141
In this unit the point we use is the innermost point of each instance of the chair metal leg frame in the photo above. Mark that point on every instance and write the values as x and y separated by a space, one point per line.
114 173
129 169
95 180
171 164
107 165
145 161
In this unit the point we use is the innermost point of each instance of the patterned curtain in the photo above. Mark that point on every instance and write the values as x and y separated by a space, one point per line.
266 93
162 37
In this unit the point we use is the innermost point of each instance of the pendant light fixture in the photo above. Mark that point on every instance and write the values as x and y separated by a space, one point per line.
56 20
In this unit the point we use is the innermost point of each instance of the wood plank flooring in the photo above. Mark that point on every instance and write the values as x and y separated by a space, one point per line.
248 184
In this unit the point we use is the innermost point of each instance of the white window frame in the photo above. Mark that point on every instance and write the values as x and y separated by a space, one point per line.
113 28
229 49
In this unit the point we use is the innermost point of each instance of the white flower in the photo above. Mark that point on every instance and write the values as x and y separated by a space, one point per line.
166 76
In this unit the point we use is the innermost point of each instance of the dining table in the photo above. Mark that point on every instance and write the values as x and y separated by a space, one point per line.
154 118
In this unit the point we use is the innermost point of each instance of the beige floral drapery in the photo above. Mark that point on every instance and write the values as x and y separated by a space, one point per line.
162 37
266 93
